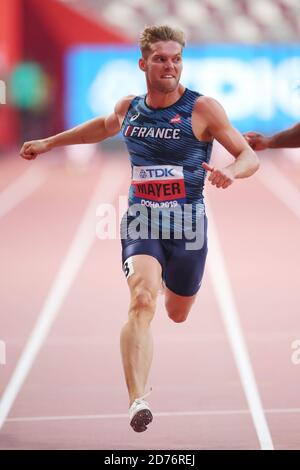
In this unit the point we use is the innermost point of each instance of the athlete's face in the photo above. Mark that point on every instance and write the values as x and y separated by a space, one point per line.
163 66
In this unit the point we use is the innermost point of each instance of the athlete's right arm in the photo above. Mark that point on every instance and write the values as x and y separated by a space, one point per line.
89 132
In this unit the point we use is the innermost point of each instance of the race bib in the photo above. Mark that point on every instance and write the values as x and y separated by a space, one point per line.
161 184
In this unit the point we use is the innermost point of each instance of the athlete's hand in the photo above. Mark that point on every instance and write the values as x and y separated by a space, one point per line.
220 177
257 141
30 150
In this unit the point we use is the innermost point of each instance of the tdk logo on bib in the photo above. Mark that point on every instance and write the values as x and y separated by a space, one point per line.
161 172
157 173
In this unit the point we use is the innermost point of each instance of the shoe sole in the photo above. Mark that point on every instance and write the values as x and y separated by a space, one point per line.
141 420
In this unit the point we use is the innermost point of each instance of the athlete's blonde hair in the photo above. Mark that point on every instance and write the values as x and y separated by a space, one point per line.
153 34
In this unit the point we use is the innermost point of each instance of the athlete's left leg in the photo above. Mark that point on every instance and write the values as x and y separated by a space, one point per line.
178 306
183 276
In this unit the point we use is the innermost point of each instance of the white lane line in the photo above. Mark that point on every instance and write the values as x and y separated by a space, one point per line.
112 177
280 186
230 317
125 415
21 188
32 419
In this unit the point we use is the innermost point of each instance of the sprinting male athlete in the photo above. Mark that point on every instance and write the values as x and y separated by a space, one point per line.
169 134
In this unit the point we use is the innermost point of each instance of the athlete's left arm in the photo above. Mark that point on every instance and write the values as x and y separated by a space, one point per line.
217 125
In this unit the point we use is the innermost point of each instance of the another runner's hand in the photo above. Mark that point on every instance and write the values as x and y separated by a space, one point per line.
257 141
30 150
220 177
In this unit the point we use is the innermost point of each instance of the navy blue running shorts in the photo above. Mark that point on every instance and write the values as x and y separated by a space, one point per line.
182 269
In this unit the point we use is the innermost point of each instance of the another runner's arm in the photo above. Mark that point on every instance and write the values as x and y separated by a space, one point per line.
92 131
218 126
289 138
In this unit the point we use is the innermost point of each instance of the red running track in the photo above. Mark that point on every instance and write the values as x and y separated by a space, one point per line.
207 394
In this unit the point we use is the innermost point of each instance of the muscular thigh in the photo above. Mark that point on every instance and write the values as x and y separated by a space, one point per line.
143 262
185 265
184 269
144 271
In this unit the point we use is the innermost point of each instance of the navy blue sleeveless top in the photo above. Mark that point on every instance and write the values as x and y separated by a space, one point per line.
164 153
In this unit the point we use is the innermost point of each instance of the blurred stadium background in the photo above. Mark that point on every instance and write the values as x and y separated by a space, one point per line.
65 61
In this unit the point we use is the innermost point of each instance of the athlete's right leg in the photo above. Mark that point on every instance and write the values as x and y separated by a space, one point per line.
144 281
